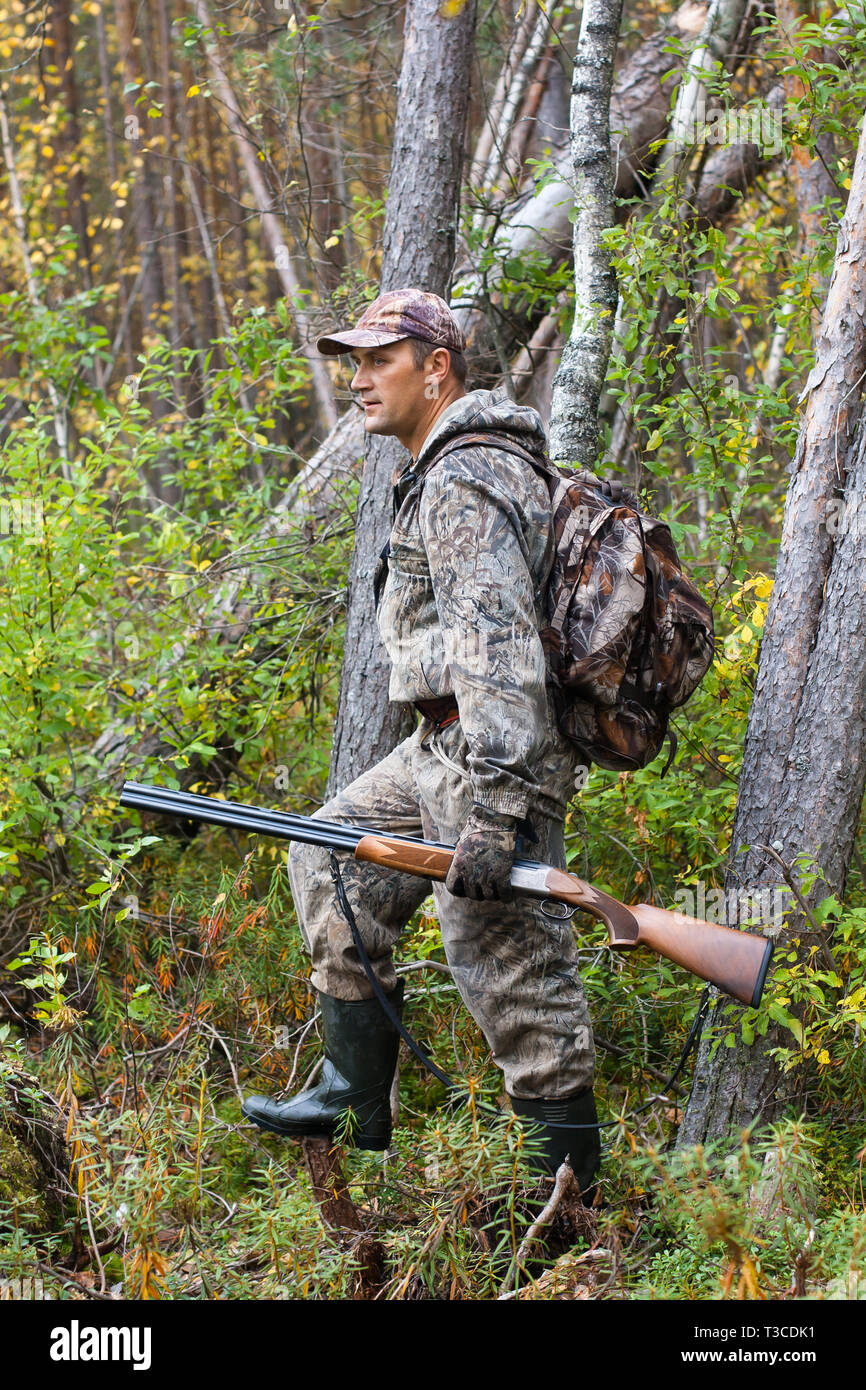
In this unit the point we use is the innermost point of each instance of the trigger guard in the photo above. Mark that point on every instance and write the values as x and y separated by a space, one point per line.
564 913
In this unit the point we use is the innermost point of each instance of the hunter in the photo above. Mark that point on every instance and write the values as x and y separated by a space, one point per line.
461 601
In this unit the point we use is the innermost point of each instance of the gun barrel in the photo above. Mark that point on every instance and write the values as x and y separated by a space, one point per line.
211 810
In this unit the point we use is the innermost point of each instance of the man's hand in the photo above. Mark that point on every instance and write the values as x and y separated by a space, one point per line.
483 856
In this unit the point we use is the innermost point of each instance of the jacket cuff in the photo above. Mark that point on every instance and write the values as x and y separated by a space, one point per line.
510 803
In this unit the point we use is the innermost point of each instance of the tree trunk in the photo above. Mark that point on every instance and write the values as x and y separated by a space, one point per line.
802 780
724 19
579 381
420 236
111 155
70 131
147 226
813 182
16 199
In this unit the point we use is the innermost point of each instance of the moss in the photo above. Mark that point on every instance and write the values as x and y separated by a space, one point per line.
23 1198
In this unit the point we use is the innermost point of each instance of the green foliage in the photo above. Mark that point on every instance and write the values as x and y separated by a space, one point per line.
748 1224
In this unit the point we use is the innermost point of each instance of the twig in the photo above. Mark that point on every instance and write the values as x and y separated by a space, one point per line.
66 1278
564 1182
222 1042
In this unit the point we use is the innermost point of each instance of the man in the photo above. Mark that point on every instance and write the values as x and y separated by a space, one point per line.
460 607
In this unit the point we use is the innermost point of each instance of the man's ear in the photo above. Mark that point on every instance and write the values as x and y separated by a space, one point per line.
437 365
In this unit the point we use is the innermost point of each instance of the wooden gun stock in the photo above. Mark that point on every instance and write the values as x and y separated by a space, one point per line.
735 961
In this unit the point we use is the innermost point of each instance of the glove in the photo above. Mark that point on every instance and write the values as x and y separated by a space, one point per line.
483 856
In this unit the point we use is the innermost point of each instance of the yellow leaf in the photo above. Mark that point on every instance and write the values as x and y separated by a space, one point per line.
260 438
48 151
193 91
332 241
824 1057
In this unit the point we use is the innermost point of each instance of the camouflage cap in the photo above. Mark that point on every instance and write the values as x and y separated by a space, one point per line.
409 313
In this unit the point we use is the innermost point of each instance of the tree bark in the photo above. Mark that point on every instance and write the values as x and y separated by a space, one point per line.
111 155
420 237
802 779
724 19
578 384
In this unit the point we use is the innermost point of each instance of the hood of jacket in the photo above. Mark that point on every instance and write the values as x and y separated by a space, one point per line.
483 412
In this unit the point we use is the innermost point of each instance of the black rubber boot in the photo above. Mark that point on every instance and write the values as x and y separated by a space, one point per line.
360 1060
560 1121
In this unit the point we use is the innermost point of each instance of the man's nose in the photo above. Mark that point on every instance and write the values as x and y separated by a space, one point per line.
357 382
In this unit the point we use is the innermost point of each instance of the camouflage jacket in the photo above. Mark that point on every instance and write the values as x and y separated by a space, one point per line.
464 599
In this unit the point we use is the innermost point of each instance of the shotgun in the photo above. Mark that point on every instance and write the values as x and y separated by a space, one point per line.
736 962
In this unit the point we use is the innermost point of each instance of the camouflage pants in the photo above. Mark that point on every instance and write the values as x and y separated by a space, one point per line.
516 970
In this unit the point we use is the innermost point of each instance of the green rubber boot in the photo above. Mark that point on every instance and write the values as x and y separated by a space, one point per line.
355 1090
560 1123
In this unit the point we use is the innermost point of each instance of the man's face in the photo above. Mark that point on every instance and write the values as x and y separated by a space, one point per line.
391 388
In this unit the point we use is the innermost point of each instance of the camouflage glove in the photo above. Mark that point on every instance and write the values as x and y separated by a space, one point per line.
481 867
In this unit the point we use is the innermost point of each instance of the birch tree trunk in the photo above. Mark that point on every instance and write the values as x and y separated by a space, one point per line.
723 23
801 786
578 384
538 223
420 238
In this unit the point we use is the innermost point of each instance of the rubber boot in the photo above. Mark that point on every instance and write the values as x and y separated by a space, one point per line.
360 1060
561 1135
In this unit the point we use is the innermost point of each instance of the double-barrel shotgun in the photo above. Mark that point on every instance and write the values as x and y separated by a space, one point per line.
735 961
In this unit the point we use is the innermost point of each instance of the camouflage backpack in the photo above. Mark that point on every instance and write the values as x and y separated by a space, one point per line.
622 652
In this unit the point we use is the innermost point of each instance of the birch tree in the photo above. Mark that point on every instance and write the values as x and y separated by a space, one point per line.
579 381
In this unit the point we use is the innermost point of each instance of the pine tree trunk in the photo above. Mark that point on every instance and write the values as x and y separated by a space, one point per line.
802 782
420 236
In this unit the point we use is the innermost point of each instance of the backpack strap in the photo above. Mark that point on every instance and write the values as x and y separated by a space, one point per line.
488 441
402 482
